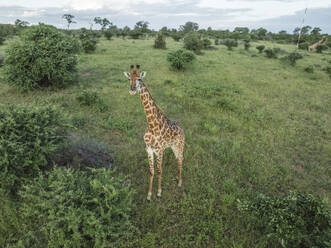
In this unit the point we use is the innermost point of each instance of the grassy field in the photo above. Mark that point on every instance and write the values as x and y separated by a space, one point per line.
252 125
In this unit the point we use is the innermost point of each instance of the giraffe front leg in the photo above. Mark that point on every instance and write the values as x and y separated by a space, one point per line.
159 172
151 171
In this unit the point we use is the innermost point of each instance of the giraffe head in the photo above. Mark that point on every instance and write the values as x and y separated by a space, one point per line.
135 77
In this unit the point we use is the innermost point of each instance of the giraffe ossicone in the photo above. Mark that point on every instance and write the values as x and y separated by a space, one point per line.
161 132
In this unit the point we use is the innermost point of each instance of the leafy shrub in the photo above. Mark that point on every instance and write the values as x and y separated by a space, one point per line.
206 43
135 34
293 57
28 138
304 45
309 69
328 70
108 34
292 220
2 58
83 153
321 48
73 208
217 42
176 36
2 40
178 59
229 43
247 45
193 42
260 48
92 98
88 40
160 42
44 56
271 53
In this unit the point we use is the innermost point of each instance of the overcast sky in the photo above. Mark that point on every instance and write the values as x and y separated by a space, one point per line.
275 15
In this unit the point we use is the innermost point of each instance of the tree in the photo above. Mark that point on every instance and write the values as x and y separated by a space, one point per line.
241 30
261 33
104 23
296 31
189 27
69 19
316 31
305 30
21 24
142 26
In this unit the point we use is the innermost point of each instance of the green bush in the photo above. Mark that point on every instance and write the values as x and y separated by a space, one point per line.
43 56
178 59
73 208
304 46
160 42
260 48
92 99
309 69
2 40
321 48
293 220
293 57
217 42
108 34
193 42
229 43
28 138
247 45
328 70
2 58
271 53
176 36
88 40
206 43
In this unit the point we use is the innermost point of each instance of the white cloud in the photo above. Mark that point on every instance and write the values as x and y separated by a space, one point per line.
262 9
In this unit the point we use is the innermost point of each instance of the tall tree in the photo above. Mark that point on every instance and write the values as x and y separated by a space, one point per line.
104 23
69 19
189 27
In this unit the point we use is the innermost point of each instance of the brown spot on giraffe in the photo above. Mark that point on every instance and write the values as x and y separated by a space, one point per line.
161 132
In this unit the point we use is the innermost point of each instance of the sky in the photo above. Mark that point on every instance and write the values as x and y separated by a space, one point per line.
274 15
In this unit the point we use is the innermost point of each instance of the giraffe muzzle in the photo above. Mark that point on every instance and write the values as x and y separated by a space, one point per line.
132 92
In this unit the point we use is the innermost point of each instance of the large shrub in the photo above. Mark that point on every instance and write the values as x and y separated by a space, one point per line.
304 45
293 220
193 42
206 43
321 48
260 48
178 59
74 208
2 58
159 42
293 57
108 34
271 53
88 40
28 137
43 56
229 43
2 40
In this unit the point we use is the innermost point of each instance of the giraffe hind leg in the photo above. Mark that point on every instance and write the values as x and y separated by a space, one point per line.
178 151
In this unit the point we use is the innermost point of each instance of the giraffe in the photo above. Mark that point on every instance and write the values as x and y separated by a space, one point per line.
161 132
321 42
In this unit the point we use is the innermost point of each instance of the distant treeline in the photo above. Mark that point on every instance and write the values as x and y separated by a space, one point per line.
141 29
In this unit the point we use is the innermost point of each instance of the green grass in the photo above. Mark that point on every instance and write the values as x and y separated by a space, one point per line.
252 125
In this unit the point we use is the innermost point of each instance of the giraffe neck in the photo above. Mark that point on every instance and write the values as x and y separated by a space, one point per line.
154 115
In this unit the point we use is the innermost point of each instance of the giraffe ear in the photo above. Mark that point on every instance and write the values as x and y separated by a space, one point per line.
127 74
142 74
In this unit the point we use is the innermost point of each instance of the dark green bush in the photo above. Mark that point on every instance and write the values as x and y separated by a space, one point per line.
2 40
43 56
309 69
28 138
160 42
247 45
193 42
108 34
292 220
92 99
176 36
83 153
73 208
2 58
321 48
271 53
328 70
260 48
293 57
229 43
217 42
206 43
304 45
178 59
88 40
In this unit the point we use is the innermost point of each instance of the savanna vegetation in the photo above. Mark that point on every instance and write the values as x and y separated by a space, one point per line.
73 165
